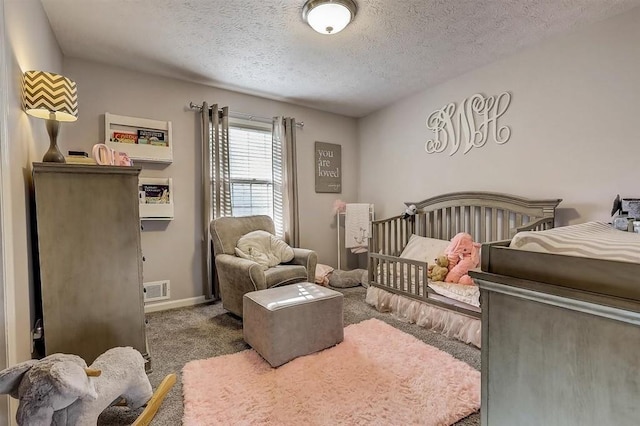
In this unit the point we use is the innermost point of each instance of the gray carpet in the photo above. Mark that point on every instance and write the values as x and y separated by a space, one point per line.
182 335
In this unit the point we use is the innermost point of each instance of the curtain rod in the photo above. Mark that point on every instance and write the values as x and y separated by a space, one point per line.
246 116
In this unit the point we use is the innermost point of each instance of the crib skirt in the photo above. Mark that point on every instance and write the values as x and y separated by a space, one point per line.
449 323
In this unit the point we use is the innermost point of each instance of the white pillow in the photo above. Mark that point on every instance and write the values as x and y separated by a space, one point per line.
424 249
264 248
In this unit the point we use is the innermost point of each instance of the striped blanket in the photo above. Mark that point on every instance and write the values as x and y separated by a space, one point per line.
592 239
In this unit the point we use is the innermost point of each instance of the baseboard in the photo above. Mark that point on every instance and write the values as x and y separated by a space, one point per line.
173 304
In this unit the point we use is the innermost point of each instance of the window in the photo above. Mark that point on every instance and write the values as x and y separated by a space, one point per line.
251 169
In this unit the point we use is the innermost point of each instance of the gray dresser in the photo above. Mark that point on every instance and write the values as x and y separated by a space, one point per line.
90 260
557 356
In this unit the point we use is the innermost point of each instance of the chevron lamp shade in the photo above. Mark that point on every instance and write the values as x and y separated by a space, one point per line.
50 96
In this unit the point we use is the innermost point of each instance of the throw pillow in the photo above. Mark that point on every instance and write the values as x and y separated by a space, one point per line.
264 248
322 274
424 249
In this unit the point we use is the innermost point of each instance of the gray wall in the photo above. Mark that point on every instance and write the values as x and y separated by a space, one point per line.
573 117
29 44
172 249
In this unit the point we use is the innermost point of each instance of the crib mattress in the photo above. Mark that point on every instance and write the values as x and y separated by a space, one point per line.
596 240
469 294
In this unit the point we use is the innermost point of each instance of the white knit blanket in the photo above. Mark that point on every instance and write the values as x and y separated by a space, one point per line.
356 225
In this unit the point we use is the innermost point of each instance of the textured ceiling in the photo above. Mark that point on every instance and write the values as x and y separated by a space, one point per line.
392 49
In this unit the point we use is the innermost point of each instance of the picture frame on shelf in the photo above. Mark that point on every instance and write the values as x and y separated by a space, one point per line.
143 139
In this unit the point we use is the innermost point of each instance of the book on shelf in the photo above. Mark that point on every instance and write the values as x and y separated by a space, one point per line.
78 159
124 137
152 137
154 194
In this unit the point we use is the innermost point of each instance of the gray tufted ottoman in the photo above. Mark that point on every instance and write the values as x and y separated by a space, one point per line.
282 323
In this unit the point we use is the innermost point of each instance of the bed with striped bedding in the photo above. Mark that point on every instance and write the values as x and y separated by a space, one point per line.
596 240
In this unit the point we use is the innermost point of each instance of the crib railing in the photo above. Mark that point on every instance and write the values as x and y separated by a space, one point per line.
402 275
390 236
538 225
407 277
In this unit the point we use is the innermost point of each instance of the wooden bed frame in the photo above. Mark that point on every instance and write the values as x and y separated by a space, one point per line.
487 216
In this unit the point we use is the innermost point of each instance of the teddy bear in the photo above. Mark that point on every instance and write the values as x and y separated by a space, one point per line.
463 254
439 270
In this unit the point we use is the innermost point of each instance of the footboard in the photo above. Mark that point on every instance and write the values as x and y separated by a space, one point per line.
408 278
403 276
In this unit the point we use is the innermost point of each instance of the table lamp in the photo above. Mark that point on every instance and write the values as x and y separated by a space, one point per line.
54 98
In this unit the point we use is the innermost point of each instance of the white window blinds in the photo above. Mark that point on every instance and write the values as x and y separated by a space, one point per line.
251 171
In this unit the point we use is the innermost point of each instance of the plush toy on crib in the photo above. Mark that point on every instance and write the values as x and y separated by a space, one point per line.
463 254
439 270
410 212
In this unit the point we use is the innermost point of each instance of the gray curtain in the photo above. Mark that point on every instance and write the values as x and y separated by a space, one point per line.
216 187
285 179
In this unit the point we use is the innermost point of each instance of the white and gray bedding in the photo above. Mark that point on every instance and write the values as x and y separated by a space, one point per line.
592 239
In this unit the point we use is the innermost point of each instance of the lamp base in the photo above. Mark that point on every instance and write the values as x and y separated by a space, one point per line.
53 154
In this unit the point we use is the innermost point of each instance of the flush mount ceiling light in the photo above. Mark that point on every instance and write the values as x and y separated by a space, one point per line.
329 16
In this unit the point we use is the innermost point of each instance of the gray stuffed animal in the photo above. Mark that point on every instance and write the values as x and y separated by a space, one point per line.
345 279
57 389
45 386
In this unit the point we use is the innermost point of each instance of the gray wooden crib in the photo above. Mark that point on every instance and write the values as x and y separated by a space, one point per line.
487 216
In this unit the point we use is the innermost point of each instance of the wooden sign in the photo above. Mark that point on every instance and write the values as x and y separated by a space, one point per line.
328 167
469 125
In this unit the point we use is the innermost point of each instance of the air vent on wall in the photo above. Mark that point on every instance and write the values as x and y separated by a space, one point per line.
157 290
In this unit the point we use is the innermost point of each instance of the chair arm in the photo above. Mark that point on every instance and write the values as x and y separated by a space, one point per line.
308 259
246 275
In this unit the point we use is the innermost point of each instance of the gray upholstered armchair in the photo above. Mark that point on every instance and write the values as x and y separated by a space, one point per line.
238 276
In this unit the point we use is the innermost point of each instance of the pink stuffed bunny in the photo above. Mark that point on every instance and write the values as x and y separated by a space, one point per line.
463 255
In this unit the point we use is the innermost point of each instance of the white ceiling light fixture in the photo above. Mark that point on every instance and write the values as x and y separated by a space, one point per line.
329 16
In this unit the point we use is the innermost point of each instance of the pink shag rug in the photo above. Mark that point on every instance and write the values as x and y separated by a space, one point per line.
377 375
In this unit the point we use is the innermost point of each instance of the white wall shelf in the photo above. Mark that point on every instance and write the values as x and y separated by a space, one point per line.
139 131
156 198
